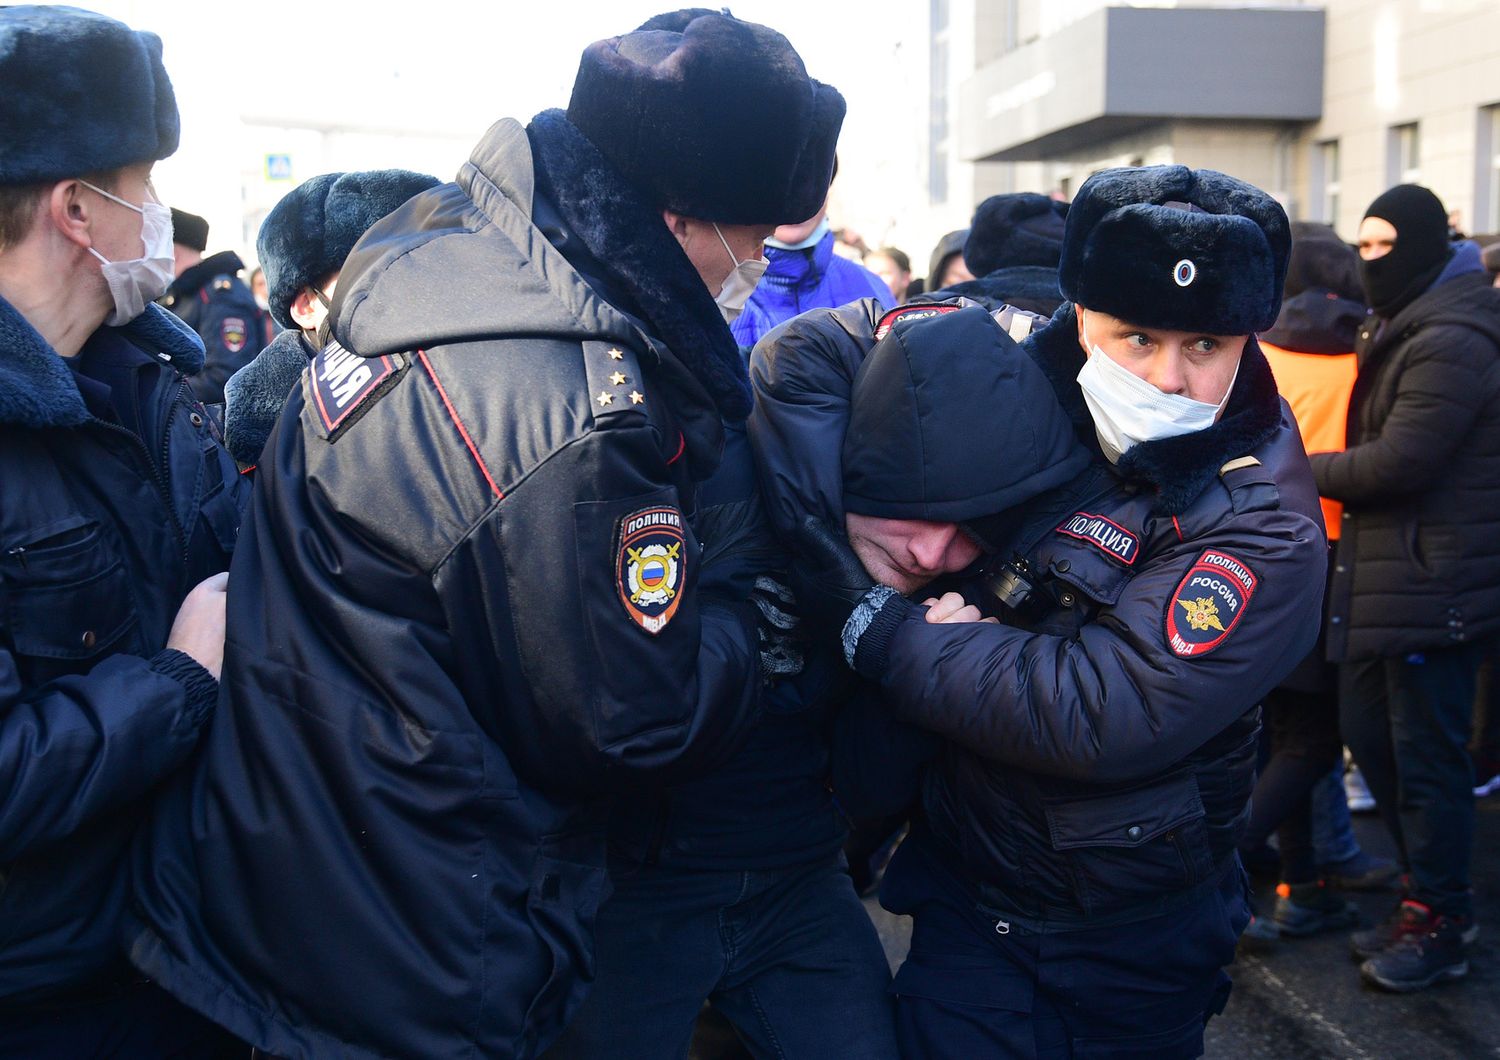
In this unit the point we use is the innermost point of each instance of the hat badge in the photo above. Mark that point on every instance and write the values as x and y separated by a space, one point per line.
1184 272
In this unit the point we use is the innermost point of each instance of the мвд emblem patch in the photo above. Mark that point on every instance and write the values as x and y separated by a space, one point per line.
234 334
651 566
1209 602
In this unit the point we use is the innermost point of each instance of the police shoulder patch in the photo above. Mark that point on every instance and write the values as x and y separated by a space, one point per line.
1208 604
908 313
233 333
343 384
1104 534
651 566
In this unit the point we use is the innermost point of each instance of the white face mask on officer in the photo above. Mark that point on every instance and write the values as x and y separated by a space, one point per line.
134 282
1127 410
739 285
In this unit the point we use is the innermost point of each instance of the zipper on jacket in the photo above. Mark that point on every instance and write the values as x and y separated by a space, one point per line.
158 473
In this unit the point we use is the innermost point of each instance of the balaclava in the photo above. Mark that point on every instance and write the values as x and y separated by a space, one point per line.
1421 251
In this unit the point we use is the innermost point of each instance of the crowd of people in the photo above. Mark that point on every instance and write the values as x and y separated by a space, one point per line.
535 608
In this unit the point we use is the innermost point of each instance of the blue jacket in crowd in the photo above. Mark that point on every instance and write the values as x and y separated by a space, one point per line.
799 280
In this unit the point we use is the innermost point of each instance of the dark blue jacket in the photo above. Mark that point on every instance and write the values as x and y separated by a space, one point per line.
1100 741
115 500
768 806
466 614
798 280
212 299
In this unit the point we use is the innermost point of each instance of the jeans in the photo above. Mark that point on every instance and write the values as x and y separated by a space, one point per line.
790 957
1332 831
1408 723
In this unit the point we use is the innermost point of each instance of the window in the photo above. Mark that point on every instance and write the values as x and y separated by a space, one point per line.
1404 154
1487 166
1326 182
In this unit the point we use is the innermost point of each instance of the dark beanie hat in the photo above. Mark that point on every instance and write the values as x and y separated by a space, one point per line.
82 94
1323 262
924 393
717 121
1394 280
310 232
189 230
1176 248
1012 230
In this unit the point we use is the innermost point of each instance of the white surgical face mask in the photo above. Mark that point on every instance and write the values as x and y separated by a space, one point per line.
137 281
740 284
1127 410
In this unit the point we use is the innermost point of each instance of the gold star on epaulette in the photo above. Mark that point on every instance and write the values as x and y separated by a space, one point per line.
619 378
616 355
636 397
605 398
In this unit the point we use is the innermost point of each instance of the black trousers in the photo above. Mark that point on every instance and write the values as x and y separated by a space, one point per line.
1408 722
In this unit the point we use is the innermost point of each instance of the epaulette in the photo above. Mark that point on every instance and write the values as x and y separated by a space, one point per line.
1251 486
613 377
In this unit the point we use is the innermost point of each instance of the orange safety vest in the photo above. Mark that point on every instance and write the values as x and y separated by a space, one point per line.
1317 387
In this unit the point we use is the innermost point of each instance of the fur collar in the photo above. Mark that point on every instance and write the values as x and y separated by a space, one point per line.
1177 469
626 235
37 387
255 395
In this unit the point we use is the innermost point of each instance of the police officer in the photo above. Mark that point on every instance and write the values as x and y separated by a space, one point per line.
302 246
118 511
210 296
1076 884
471 605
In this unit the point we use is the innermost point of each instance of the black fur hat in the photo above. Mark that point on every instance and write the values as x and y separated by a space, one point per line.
83 94
1011 230
719 121
189 230
1176 248
310 232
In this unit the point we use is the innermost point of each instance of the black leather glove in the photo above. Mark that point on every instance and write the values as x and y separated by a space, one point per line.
827 577
833 587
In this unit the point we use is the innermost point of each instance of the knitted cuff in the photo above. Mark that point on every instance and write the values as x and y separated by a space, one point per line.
867 634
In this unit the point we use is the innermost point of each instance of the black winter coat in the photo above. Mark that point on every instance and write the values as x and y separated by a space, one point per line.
115 500
1101 745
465 611
1417 565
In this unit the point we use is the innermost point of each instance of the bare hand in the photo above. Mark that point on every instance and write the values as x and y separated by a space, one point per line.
951 608
198 629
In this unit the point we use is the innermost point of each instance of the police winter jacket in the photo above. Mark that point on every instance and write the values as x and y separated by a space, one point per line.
798 280
211 299
467 610
1416 566
1101 742
115 500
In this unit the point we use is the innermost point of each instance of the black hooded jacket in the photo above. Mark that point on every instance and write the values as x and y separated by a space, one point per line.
470 608
1416 566
1101 741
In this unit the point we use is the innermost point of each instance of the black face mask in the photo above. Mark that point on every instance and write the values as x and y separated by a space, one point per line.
1419 255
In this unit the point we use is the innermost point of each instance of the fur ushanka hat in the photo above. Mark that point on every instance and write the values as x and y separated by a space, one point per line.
310 232
1014 230
718 121
1176 248
83 94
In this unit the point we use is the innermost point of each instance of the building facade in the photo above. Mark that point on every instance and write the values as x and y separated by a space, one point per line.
1324 105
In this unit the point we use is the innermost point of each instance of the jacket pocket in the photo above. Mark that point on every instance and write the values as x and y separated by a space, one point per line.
1127 848
67 596
563 907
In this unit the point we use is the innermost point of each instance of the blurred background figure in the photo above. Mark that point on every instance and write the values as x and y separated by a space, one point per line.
892 266
1013 248
803 273
212 299
946 266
